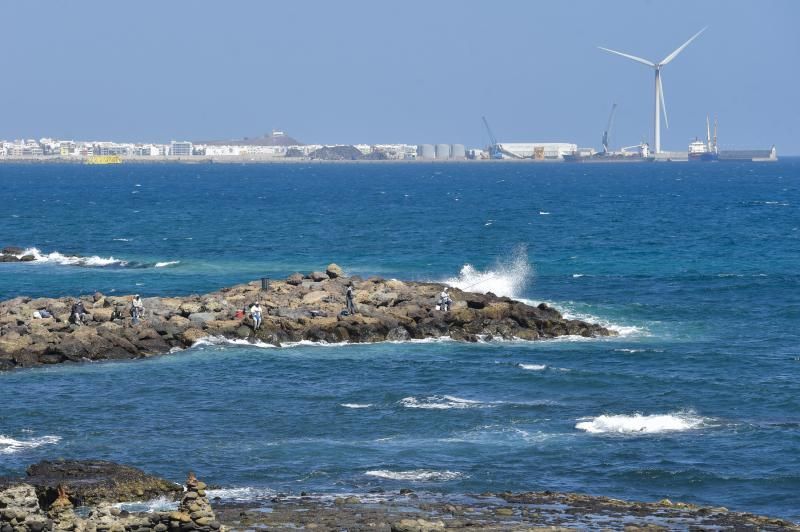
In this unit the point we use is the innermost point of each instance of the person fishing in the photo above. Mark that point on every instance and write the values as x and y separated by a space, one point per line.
349 296
256 314
78 313
444 300
137 309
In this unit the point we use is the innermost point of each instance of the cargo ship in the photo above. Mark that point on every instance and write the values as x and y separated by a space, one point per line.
709 151
705 151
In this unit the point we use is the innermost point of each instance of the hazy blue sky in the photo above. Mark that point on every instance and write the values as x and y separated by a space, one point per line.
412 71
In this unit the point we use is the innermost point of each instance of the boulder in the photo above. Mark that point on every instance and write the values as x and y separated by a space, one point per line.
317 277
13 250
200 318
27 258
417 525
190 307
398 334
334 270
312 298
296 279
192 335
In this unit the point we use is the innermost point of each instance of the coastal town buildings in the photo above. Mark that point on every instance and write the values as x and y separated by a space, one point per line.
273 146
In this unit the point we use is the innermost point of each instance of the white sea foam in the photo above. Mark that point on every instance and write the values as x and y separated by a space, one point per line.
245 494
159 504
442 402
416 475
356 405
122 239
10 445
71 260
213 340
641 424
569 313
544 213
506 278
167 263
533 367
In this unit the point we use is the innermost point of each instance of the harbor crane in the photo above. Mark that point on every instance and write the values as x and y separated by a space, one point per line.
495 150
607 132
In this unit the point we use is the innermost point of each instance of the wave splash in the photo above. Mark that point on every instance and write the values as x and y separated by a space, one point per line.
71 260
416 475
10 445
506 278
441 402
532 367
641 424
356 405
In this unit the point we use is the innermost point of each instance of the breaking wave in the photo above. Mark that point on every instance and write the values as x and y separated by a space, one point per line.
10 445
441 402
93 261
506 278
641 424
533 367
167 263
71 260
416 475
356 405
245 494
159 504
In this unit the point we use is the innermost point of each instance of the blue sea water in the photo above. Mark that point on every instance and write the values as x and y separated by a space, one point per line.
696 264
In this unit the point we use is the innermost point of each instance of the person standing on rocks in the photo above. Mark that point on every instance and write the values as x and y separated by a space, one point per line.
256 314
349 296
137 309
444 300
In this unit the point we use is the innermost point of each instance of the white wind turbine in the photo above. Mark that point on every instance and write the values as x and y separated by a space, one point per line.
659 88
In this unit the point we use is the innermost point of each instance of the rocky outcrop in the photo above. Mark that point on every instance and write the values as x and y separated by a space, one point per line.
21 510
91 482
303 307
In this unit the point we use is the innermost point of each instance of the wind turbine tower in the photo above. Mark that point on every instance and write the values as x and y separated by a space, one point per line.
659 97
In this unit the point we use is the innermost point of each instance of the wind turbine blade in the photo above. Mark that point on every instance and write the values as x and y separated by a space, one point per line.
674 54
637 59
663 104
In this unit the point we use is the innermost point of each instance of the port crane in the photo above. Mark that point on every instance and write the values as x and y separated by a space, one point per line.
607 132
495 150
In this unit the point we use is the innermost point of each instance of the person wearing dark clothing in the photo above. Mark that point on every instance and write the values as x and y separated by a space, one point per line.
78 313
349 296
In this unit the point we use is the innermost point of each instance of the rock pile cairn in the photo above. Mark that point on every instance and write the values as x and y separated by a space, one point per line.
19 510
194 512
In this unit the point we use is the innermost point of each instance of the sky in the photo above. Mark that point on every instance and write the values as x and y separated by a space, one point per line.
389 72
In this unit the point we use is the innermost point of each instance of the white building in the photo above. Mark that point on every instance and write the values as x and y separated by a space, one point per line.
180 148
537 150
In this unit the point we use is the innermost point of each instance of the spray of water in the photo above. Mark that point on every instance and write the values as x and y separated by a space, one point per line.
507 277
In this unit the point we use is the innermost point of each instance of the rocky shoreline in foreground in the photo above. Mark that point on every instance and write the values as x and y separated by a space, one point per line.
85 496
301 307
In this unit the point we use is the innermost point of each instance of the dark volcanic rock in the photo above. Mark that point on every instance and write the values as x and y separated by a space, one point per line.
300 308
90 482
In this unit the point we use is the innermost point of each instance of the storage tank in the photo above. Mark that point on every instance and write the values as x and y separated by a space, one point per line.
457 151
442 152
426 151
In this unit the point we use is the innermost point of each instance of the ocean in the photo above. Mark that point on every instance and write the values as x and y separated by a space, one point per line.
695 264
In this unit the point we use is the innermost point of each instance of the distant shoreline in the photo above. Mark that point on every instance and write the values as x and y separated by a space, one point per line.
269 160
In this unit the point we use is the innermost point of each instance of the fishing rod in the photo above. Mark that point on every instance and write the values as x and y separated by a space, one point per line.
478 282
